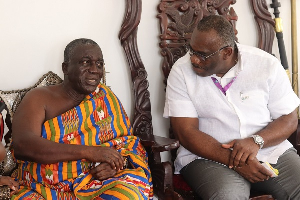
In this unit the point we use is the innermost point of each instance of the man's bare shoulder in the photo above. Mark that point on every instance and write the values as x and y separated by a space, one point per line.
40 97
39 101
41 94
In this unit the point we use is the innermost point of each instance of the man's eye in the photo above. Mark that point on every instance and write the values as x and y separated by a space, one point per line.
100 63
84 62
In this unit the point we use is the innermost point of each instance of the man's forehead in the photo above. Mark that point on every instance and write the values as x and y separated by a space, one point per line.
204 39
84 50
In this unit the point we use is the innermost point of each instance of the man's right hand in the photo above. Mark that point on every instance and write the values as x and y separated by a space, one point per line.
106 155
253 171
103 171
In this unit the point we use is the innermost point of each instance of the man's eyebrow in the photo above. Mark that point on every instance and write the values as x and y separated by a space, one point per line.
87 56
199 52
91 57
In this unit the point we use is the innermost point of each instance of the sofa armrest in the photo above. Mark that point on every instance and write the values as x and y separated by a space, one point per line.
158 143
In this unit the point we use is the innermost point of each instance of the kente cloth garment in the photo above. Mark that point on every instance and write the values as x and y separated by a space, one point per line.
99 120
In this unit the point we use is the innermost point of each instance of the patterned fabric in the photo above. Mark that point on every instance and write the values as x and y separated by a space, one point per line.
99 120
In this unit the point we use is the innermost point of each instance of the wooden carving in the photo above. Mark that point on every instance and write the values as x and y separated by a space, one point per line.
178 18
265 25
142 121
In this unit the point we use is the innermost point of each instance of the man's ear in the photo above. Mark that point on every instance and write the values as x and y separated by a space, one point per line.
227 53
64 66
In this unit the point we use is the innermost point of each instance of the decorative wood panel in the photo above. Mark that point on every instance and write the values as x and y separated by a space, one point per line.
142 121
178 18
265 25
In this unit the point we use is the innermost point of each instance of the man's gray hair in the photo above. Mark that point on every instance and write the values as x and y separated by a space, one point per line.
72 45
222 27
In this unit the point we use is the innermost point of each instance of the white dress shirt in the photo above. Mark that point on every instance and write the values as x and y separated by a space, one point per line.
260 93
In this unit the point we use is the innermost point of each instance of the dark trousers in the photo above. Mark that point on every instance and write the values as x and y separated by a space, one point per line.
212 180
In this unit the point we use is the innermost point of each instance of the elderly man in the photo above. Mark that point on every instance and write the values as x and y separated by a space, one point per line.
232 108
72 139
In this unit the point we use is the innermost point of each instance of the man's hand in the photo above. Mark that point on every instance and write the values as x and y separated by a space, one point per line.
12 184
253 171
107 155
103 171
243 150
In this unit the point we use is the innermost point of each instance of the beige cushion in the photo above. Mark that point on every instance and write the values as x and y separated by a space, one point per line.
13 98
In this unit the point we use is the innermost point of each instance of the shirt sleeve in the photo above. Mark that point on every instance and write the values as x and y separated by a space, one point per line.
178 102
282 98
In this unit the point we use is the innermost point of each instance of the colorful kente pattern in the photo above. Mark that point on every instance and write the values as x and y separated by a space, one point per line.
99 120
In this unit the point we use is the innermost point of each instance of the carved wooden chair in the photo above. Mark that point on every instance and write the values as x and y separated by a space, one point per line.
177 19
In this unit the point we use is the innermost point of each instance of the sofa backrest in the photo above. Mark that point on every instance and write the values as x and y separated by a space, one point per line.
10 100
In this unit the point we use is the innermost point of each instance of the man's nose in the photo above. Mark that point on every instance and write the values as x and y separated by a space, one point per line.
94 68
195 59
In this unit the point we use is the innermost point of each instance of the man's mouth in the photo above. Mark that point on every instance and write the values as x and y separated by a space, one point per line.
92 81
198 67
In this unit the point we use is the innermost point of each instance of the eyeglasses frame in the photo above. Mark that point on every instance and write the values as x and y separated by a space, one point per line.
201 56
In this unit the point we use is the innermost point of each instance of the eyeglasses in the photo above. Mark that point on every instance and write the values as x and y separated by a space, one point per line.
202 57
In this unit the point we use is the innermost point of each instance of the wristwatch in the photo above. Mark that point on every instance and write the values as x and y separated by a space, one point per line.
258 140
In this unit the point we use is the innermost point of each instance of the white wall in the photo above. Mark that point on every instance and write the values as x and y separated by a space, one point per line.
34 34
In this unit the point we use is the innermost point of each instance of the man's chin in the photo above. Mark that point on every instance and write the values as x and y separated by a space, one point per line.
203 73
90 88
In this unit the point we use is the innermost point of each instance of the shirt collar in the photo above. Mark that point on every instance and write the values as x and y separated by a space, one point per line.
235 70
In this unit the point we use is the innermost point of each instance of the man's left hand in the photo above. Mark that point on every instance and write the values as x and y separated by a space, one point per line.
243 150
253 171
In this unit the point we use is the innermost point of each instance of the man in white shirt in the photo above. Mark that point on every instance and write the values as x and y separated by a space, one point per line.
232 108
